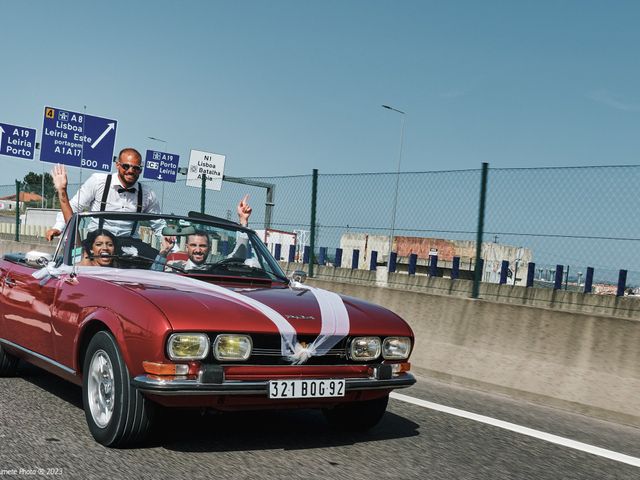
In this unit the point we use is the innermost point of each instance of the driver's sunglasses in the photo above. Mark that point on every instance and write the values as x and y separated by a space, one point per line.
128 166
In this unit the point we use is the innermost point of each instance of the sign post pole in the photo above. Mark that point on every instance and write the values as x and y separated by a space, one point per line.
17 210
42 189
203 193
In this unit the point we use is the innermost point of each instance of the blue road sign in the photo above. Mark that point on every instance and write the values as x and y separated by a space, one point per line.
17 141
161 166
77 139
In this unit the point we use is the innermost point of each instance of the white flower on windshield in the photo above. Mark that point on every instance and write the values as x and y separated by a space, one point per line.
252 262
130 250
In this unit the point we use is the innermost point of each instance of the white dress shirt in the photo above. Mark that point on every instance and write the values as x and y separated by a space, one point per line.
89 197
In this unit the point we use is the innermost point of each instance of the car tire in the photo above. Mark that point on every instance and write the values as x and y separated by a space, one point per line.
357 416
8 364
117 414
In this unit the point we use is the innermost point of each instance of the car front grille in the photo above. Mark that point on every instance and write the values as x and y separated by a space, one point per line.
267 351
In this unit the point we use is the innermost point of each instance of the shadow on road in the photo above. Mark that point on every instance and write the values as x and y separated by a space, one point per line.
194 431
62 389
189 431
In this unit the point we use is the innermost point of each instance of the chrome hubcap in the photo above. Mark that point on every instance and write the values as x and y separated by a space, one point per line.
100 388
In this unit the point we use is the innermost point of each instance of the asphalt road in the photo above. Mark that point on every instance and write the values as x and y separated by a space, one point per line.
42 426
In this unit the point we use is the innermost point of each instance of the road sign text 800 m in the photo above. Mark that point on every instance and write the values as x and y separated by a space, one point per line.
78 140
94 164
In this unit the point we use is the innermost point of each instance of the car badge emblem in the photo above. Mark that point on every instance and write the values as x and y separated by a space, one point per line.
300 317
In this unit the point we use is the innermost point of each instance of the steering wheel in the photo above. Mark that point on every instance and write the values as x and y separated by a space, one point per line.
229 261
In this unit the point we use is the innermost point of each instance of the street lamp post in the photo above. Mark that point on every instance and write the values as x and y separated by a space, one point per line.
165 147
395 195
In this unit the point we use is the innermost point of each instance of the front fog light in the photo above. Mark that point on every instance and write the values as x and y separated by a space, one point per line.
188 346
365 348
230 346
396 348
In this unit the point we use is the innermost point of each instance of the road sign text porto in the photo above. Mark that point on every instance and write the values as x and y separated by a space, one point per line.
161 166
17 141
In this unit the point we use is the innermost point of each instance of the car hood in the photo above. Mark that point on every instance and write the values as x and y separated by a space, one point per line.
195 305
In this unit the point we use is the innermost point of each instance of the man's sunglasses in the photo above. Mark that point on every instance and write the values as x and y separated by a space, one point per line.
128 166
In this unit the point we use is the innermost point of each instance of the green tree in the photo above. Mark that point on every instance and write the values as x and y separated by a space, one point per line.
32 182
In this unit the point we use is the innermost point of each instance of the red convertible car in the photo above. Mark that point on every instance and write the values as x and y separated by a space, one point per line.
150 311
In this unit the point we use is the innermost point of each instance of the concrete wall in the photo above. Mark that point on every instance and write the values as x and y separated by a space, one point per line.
578 360
27 244
609 305
8 229
583 362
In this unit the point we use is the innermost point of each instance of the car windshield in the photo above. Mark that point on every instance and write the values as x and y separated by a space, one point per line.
192 245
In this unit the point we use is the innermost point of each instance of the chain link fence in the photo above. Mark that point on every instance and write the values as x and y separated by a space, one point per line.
576 217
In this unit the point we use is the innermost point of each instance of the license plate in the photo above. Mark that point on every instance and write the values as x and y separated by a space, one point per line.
306 388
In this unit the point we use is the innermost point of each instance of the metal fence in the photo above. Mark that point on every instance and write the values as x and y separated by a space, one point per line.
577 217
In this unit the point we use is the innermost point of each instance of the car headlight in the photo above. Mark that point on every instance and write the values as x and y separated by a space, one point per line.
365 348
230 346
188 346
396 348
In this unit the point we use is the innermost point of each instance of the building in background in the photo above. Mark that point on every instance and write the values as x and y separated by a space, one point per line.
271 237
492 253
9 202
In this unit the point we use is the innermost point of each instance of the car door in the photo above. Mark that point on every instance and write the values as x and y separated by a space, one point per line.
26 308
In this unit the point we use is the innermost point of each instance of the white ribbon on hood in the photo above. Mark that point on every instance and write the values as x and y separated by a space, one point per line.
334 315
50 270
335 324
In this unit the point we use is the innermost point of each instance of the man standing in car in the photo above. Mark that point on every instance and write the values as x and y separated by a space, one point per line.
107 192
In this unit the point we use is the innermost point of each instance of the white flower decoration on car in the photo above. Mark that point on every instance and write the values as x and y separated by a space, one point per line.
252 262
130 250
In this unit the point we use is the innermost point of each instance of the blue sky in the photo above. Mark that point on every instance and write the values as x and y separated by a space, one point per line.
282 87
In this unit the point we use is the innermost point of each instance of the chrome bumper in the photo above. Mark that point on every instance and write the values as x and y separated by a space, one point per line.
188 387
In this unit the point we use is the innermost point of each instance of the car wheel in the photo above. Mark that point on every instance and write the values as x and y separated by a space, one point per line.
8 364
357 416
117 413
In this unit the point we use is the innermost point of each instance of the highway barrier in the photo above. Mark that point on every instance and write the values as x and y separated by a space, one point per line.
561 353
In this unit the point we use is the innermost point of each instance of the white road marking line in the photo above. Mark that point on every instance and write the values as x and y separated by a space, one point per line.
601 452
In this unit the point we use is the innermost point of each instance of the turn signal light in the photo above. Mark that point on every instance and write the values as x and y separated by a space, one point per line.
397 368
154 368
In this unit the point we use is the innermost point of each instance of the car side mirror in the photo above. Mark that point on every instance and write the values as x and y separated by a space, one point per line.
299 276
37 259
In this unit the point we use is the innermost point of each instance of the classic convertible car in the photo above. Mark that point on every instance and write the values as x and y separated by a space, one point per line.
151 311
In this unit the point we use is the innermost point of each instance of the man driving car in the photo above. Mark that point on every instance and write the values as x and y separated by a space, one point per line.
198 245
197 249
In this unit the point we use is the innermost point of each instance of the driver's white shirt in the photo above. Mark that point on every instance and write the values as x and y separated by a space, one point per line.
89 196
194 266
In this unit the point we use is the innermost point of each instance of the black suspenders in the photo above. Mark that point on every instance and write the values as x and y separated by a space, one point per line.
103 203
138 209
